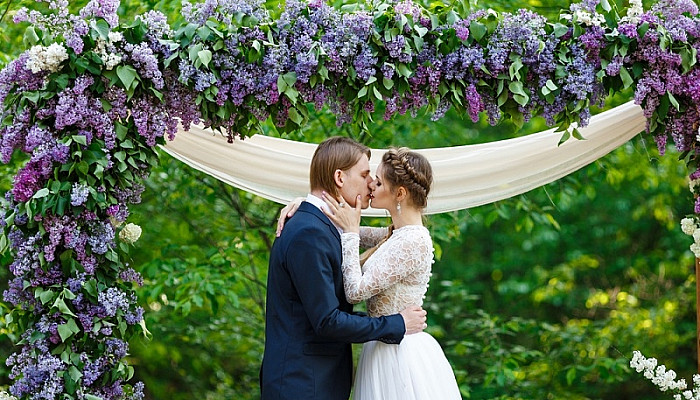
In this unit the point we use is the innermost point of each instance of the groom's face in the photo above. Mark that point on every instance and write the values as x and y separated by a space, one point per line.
356 181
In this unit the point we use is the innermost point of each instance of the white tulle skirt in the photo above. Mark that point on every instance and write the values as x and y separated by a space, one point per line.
416 369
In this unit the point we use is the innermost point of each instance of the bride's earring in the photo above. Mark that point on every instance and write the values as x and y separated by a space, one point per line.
398 208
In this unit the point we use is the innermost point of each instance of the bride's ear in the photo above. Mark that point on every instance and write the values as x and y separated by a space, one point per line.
401 193
338 177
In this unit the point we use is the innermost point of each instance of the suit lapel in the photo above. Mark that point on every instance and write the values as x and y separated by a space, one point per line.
312 209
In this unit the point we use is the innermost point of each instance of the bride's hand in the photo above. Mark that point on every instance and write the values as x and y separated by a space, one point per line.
344 216
287 212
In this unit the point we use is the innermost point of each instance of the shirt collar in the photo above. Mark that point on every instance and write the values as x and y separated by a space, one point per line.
321 205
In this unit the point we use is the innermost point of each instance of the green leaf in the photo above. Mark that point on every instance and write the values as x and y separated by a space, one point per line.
46 296
294 116
30 37
75 373
626 78
281 84
515 68
571 373
41 193
388 83
62 307
127 74
362 92
205 57
80 139
377 94
673 101
560 30
606 5
477 30
103 29
68 329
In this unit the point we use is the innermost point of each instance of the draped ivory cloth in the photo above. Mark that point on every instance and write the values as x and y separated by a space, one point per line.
463 176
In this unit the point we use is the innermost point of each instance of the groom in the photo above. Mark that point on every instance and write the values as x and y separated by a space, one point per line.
309 324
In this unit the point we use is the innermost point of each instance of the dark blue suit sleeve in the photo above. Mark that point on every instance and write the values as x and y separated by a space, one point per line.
309 259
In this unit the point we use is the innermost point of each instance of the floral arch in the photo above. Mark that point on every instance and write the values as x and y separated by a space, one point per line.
90 99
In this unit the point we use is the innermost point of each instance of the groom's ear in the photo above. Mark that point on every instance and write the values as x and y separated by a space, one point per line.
338 178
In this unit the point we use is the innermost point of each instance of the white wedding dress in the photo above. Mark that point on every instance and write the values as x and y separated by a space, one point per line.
393 278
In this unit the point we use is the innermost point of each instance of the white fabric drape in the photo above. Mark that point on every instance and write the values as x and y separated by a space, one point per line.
464 176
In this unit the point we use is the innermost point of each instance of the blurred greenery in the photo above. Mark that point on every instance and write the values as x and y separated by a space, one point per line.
542 296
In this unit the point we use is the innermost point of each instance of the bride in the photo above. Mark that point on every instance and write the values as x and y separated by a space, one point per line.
390 276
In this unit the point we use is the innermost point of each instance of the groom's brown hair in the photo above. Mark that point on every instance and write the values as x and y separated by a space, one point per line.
332 154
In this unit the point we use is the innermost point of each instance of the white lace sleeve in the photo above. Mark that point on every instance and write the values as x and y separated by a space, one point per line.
370 236
396 260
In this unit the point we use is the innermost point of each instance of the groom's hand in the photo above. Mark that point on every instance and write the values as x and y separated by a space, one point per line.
414 319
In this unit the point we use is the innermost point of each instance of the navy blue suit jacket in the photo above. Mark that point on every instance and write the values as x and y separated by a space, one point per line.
309 324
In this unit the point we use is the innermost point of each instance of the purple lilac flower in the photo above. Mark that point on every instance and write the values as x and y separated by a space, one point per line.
101 237
106 9
79 194
152 119
130 275
593 41
223 10
364 64
78 107
586 5
145 62
113 300
36 375
629 30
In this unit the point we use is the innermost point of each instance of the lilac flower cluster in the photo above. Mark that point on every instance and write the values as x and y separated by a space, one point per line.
663 76
36 371
223 10
63 257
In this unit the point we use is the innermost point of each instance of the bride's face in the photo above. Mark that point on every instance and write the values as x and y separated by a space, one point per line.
381 192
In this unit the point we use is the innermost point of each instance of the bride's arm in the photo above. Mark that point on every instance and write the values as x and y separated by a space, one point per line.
370 236
381 270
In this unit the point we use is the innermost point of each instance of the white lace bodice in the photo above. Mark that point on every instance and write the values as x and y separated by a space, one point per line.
395 276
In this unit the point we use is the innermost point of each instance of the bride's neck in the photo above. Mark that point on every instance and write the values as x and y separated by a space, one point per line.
407 216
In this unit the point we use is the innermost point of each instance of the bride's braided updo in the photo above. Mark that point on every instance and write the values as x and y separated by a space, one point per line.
403 167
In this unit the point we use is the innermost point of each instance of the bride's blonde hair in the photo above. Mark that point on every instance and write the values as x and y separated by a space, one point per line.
403 167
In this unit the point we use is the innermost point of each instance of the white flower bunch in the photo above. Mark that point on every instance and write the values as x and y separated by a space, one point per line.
46 58
635 10
665 379
693 185
130 233
697 137
689 226
6 396
589 19
109 56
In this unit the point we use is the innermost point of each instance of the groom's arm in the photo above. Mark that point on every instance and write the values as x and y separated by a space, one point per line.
309 260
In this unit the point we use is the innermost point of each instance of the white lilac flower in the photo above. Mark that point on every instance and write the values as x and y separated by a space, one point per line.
130 234
688 226
696 236
589 19
115 37
693 184
635 10
695 248
6 396
46 58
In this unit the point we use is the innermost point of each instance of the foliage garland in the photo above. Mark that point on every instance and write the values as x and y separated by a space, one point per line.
90 99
